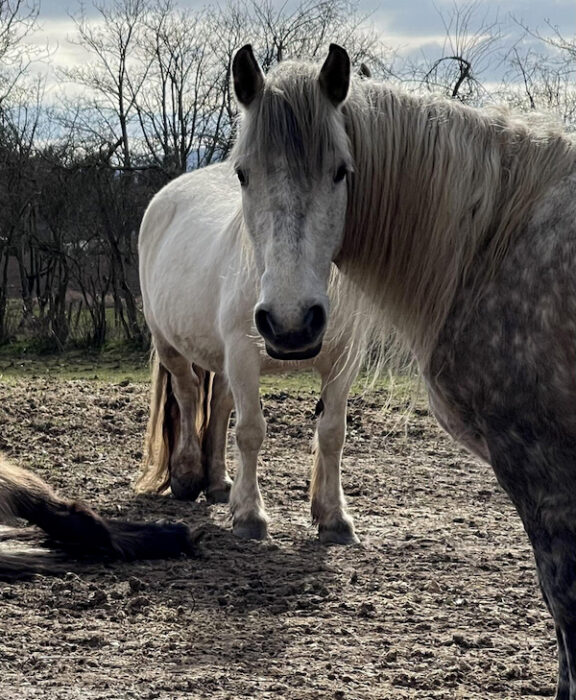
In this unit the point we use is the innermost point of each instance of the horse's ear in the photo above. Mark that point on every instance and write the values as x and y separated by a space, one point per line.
334 76
248 76
364 71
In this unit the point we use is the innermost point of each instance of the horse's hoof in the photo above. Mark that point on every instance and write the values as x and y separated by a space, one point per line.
221 494
251 529
185 489
339 533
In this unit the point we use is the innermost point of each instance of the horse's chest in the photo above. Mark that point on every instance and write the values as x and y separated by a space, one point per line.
512 352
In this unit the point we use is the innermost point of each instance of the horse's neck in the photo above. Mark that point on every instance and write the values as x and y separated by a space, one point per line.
439 190
245 251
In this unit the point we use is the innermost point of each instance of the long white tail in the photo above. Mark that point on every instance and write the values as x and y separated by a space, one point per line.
163 420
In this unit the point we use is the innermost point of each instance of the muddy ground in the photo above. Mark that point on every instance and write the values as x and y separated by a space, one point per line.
440 600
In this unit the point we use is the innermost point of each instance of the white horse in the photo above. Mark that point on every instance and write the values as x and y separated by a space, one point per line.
459 225
199 287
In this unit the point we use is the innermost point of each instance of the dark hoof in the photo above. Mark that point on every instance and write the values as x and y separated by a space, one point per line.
185 489
251 530
218 495
342 533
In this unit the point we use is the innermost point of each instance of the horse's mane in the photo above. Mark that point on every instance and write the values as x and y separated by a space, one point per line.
438 192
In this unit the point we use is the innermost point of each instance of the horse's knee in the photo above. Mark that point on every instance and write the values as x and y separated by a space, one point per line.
331 426
331 436
250 435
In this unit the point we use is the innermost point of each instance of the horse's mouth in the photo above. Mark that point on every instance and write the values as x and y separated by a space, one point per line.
288 355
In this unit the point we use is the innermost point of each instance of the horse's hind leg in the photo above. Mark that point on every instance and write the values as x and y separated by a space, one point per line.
218 482
249 518
540 480
186 465
328 504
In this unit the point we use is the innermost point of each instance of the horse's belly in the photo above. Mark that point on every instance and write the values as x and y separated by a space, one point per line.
190 335
448 415
205 355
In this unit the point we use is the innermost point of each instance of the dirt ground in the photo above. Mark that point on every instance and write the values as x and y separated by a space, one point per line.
440 600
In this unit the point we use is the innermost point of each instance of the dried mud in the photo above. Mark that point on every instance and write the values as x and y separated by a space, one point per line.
440 600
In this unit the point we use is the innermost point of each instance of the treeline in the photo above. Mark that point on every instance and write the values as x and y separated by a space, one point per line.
153 100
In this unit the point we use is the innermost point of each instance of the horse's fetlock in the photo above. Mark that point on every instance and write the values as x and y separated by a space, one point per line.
186 487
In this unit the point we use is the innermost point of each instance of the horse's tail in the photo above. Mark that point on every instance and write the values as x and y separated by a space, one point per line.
77 528
205 384
164 426
163 422
22 565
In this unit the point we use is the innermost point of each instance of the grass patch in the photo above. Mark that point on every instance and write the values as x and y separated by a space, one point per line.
116 363
113 364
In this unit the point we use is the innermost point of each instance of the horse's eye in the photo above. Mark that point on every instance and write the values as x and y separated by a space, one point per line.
341 173
242 177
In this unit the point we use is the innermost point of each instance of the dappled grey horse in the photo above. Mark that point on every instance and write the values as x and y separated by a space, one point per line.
459 226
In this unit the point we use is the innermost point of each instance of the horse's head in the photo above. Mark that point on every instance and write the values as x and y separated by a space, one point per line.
293 158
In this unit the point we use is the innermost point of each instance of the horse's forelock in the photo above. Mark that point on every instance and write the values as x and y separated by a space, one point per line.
294 120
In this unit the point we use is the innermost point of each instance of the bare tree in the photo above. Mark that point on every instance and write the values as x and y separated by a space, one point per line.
544 78
305 31
17 19
472 44
113 74
279 33
176 111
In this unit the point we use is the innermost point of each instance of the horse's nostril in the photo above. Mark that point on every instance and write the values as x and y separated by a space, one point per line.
315 319
265 323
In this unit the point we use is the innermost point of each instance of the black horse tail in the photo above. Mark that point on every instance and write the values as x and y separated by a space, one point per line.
77 529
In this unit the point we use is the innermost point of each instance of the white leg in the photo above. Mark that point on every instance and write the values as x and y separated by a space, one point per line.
218 482
249 518
328 504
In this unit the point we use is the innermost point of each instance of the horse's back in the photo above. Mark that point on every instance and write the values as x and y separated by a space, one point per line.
192 208
190 256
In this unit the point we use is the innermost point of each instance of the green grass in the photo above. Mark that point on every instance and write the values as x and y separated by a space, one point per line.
116 364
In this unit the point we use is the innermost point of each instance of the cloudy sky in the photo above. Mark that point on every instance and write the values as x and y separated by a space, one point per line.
412 27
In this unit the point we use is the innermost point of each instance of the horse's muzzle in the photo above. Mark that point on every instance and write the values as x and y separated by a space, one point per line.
298 355
299 343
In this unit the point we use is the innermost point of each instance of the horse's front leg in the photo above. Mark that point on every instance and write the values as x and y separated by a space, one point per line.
328 504
539 477
218 482
249 518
